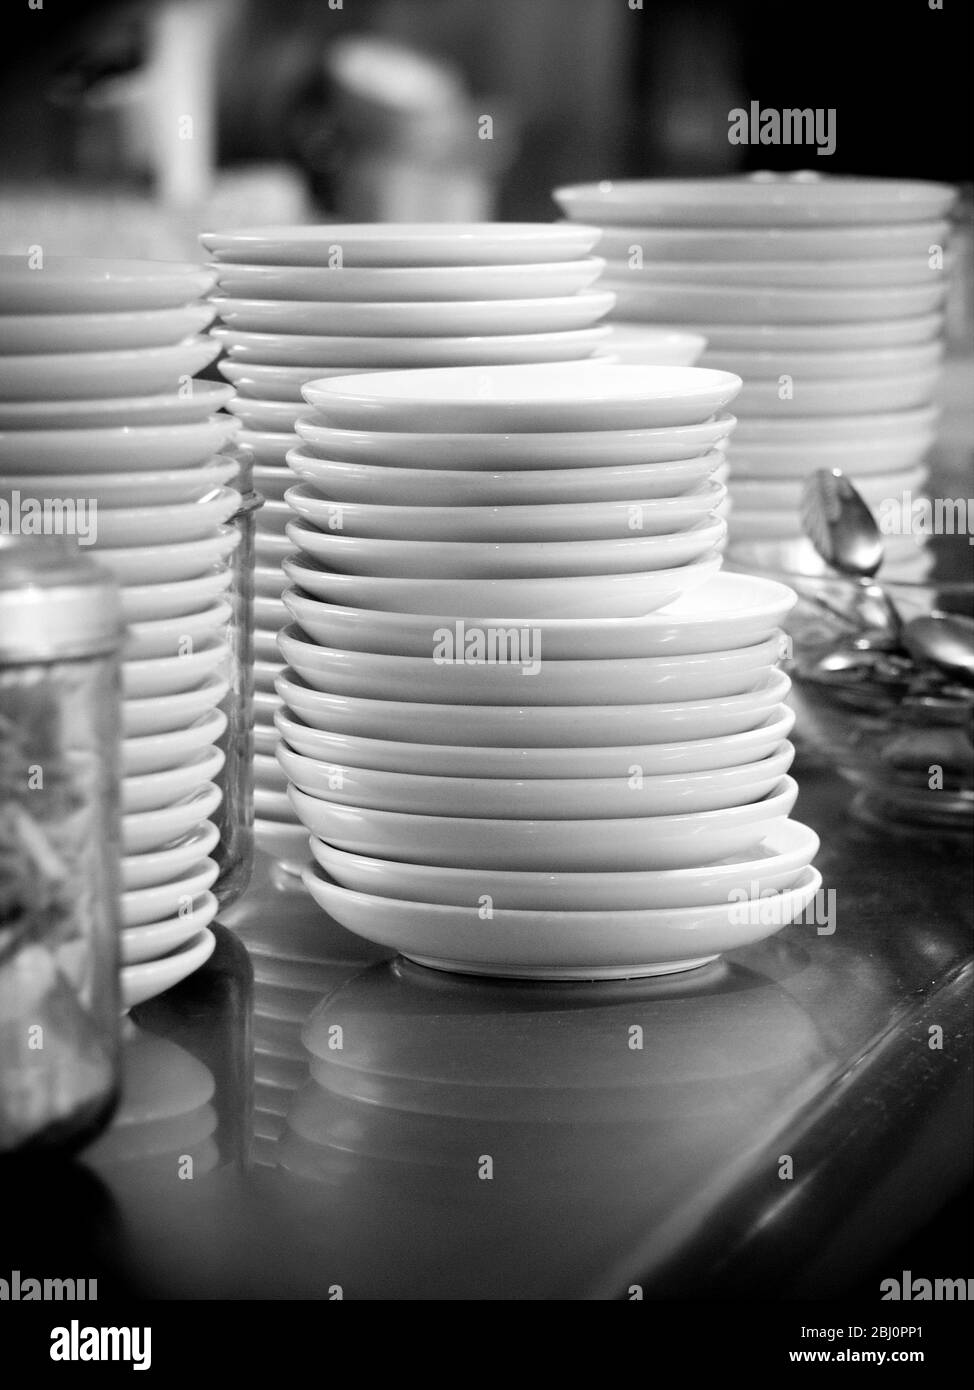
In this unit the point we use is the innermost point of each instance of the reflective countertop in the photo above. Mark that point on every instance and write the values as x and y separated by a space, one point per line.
308 1118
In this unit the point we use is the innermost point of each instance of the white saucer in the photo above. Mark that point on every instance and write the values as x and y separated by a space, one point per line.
196 403
172 675
145 603
149 830
163 865
82 285
145 981
129 372
407 283
114 490
161 714
104 332
166 637
142 449
142 906
151 791
162 564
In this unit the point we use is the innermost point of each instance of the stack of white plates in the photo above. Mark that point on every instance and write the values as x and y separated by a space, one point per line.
105 435
300 303
826 296
532 730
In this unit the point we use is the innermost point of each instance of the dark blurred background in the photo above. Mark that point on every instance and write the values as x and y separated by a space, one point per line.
137 121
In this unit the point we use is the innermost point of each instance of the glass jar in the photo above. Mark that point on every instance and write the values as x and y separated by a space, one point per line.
235 817
60 635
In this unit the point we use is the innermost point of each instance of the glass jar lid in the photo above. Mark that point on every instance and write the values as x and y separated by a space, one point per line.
55 603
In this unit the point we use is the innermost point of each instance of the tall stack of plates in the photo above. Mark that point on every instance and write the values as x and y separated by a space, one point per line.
826 296
300 303
530 727
105 435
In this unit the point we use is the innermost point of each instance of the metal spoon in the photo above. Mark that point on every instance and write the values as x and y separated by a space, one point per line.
945 640
843 531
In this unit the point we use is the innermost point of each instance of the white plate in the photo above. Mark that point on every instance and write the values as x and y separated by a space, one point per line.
270 447
154 602
143 982
779 461
577 596
773 243
260 385
542 397
445 487
729 610
129 449
171 675
141 906
509 726
403 243
847 430
157 752
81 285
178 485
147 830
160 564
660 347
695 303
821 337
272 804
277 417
839 395
771 866
756 494
155 940
760 200
415 559
561 945
537 450
887 271
88 332
769 366
535 679
399 283
167 636
381 353
162 523
149 791
272 481
160 715
456 317
538 798
163 865
631 842
443 760
286 843
194 404
65 376
555 521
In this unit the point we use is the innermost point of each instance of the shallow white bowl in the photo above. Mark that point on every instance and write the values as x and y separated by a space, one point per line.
561 945
111 490
531 450
156 940
545 798
194 404
153 602
443 760
272 481
286 843
579 595
148 791
166 637
269 579
759 201
157 752
554 521
261 385
542 397
147 830
164 865
269 446
769 494
794 243
106 453
274 517
161 564
380 353
154 904
148 980
771 866
161 714
82 285
104 332
660 347
510 726
161 523
404 283
170 675
769 366
843 430
534 679
423 559
640 842
276 417
728 610
856 336
65 376
861 273
403 243
858 395
458 318
444 487
778 461
696 303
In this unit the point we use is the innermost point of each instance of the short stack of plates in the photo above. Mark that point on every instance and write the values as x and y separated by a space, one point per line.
104 432
531 728
300 303
826 296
